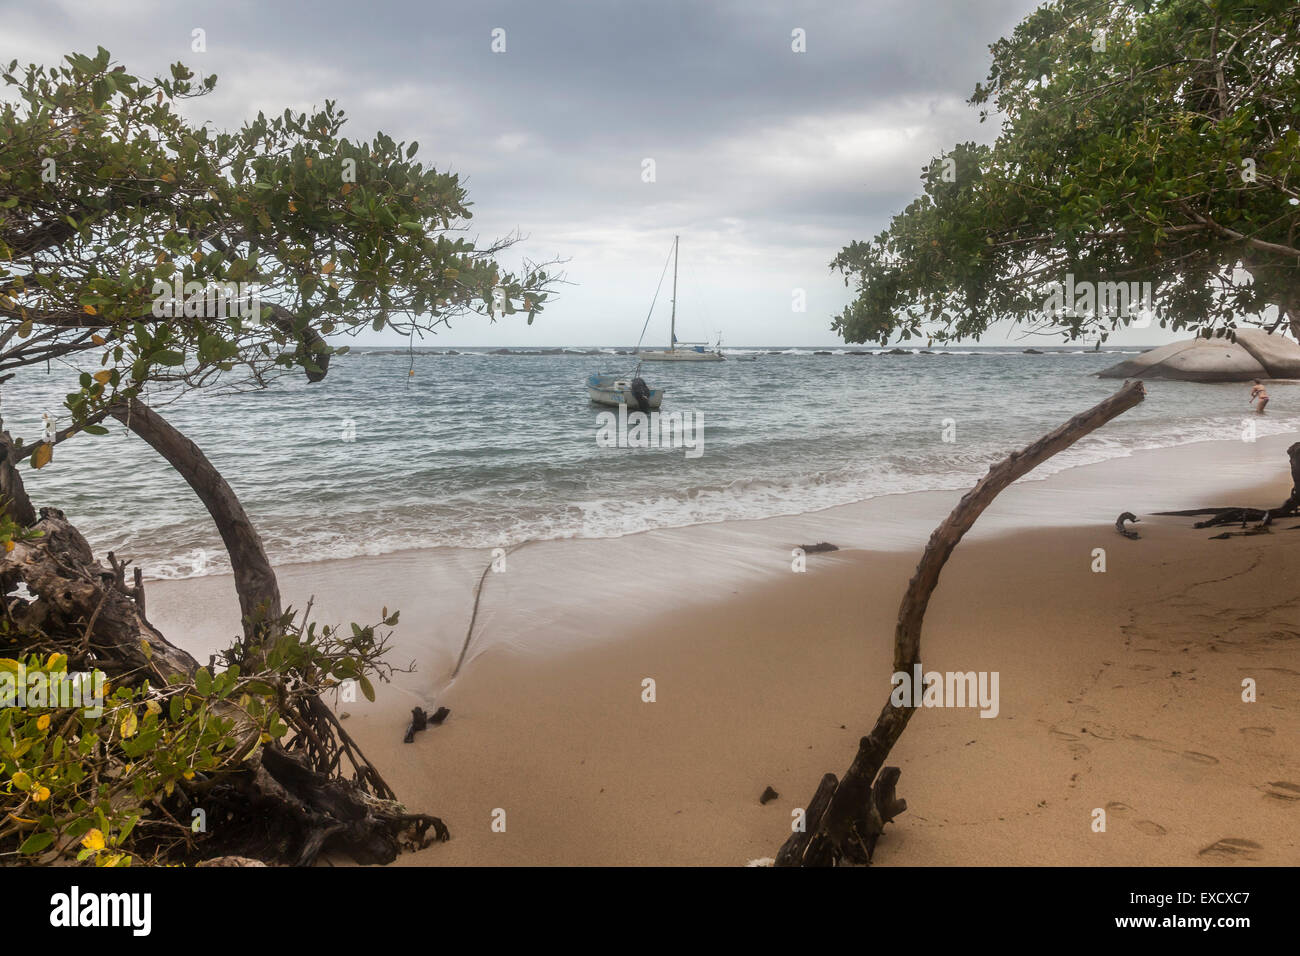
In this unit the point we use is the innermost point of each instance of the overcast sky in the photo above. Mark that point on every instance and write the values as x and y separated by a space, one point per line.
767 161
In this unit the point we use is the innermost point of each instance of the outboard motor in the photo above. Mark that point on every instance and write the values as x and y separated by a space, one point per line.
641 392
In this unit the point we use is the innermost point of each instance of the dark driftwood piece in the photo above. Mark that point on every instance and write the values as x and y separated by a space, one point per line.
1119 524
817 548
1241 516
421 721
856 811
794 852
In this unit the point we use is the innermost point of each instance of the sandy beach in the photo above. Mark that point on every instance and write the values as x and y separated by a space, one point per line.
1119 690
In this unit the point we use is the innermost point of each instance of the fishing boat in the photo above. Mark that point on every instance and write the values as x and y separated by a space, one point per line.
618 390
681 351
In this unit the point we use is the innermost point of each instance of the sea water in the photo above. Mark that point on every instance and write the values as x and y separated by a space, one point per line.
482 450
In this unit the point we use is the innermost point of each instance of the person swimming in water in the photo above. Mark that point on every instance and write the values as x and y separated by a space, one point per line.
1257 392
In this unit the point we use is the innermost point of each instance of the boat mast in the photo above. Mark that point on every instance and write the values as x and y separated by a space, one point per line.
672 336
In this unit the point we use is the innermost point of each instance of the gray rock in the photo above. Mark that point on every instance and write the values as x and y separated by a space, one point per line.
1277 353
1196 360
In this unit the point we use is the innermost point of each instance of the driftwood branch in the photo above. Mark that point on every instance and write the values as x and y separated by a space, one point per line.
1240 516
856 812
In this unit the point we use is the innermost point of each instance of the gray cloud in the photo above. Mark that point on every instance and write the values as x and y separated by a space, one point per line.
767 161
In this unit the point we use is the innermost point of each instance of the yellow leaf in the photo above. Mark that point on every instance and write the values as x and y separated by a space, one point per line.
102 376
99 340
93 840
21 780
188 775
9 546
89 310
56 661
129 724
308 162
160 257
292 206
41 794
43 722
327 268
347 188
43 455
152 707
167 178
198 256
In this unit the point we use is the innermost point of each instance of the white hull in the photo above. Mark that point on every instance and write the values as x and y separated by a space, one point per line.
613 391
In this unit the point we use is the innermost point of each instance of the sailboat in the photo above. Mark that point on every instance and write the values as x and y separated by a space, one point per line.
681 351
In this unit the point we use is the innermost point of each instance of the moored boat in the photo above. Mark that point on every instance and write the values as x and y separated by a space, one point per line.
615 390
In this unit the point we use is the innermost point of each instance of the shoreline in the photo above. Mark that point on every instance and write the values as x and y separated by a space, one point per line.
766 678
561 578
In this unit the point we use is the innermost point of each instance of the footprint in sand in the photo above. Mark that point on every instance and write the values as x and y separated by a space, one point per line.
1200 757
1150 742
1258 731
1282 790
1233 848
1150 828
1079 749
1062 735
1117 807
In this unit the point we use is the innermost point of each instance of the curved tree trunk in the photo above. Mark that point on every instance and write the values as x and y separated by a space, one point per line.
851 814
259 592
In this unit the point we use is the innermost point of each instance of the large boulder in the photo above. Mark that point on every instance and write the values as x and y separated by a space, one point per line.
1277 353
1255 354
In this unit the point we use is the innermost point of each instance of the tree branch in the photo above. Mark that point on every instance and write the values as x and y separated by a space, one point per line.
857 813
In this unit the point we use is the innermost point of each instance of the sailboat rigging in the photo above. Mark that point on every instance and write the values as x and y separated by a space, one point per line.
681 351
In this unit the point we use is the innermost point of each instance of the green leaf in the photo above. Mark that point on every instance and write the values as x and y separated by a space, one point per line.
36 842
169 357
